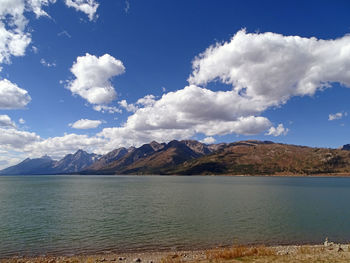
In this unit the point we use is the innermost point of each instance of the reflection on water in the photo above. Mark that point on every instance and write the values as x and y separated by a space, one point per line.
86 214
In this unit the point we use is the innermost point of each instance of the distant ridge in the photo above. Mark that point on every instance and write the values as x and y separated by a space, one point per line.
45 165
190 157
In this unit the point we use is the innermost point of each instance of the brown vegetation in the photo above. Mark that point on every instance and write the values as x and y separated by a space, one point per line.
239 252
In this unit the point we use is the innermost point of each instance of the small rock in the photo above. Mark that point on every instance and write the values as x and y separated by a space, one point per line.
136 260
103 260
340 249
122 258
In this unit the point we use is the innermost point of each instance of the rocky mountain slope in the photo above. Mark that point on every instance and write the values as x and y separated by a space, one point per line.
76 162
153 158
189 157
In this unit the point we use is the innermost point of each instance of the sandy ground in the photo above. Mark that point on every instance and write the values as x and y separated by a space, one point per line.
305 253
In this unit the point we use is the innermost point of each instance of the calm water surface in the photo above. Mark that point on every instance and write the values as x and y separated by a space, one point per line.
87 214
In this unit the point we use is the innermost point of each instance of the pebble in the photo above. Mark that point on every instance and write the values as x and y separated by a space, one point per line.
136 260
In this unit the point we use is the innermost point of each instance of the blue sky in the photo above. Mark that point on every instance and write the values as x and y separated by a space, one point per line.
290 85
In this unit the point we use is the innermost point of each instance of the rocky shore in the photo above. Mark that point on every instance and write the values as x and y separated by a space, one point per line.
328 252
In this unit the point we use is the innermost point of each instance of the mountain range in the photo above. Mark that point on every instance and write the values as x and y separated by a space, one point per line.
190 157
71 163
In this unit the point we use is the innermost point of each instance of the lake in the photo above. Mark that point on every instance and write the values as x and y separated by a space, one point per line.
89 214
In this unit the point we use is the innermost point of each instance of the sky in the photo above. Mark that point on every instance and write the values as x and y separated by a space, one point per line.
102 74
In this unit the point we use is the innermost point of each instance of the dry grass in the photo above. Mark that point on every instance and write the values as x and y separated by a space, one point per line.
172 259
310 250
239 252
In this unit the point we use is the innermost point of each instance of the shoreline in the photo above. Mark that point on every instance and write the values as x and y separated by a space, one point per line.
236 253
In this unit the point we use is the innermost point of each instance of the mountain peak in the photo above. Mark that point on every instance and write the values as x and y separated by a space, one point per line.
45 157
80 151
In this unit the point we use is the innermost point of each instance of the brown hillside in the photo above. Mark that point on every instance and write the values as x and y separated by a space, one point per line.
257 158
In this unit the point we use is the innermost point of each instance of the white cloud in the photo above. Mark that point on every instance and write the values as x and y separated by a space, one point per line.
32 145
64 33
21 121
85 124
280 130
182 114
12 139
14 36
47 64
6 122
128 107
208 140
57 147
11 96
93 76
88 7
147 100
127 6
190 107
337 116
35 49
109 109
36 6
8 160
270 68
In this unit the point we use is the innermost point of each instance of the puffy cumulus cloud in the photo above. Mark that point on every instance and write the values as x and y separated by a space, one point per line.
277 131
147 100
5 121
271 68
57 147
193 106
11 96
184 113
13 139
93 76
208 140
88 7
85 124
14 36
36 6
337 116
126 136
243 125
129 107
29 144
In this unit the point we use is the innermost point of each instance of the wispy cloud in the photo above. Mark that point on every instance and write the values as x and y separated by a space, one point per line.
64 33
337 116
